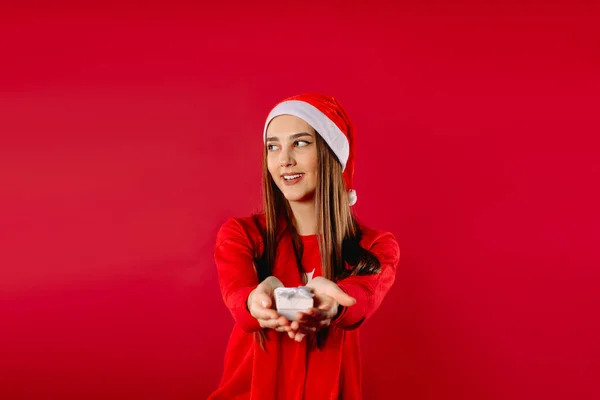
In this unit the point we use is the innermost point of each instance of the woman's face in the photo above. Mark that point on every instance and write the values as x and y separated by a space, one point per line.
292 157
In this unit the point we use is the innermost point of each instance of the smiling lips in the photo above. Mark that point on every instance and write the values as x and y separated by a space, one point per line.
291 179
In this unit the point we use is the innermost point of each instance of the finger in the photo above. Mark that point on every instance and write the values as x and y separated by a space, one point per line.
309 321
261 307
303 316
316 318
283 321
268 323
326 307
304 329
342 297
299 337
260 312
322 313
262 298
276 323
316 313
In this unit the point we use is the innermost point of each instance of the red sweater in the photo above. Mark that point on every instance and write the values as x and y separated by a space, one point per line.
288 369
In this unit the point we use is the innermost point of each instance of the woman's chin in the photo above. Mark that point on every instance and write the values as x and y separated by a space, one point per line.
307 198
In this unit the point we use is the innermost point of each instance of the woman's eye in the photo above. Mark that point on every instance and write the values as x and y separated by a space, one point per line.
271 147
302 143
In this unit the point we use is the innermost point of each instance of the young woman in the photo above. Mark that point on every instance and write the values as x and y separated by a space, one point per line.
306 236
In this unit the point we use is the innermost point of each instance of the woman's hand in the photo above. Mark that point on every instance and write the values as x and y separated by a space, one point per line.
328 298
260 301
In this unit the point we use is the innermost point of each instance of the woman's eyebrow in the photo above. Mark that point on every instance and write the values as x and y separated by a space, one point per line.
292 137
301 134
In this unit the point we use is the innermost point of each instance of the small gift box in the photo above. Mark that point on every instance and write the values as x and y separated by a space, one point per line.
289 301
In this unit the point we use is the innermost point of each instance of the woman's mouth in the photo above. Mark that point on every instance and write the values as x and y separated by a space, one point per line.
291 179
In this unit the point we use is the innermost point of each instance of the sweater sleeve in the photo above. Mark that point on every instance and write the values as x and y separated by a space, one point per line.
369 290
236 272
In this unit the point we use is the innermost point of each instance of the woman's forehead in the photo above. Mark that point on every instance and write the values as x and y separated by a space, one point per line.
285 125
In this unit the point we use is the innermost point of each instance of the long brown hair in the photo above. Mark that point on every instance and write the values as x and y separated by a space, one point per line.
339 233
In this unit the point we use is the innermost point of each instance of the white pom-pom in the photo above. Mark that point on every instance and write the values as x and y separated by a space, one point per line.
352 197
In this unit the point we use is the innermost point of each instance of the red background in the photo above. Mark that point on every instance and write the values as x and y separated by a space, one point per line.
128 134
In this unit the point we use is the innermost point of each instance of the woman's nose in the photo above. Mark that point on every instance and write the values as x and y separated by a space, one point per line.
285 158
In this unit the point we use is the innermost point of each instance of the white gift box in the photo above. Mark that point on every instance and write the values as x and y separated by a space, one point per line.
289 301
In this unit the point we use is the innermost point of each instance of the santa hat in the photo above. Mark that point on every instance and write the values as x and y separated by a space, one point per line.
327 116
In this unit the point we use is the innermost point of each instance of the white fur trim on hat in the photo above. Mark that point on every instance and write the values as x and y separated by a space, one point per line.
352 197
328 130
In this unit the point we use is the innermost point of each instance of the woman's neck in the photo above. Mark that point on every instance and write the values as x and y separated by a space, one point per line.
305 217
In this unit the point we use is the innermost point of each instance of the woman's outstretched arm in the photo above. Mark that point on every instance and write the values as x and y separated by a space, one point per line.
236 272
349 302
370 290
250 304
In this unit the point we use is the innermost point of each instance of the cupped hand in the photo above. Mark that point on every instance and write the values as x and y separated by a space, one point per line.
260 303
328 298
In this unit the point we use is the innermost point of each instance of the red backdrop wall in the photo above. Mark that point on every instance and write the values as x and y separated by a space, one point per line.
129 134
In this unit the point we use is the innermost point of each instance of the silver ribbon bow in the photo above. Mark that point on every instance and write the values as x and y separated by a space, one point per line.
300 291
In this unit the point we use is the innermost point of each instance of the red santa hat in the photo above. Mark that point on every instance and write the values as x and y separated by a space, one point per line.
327 116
